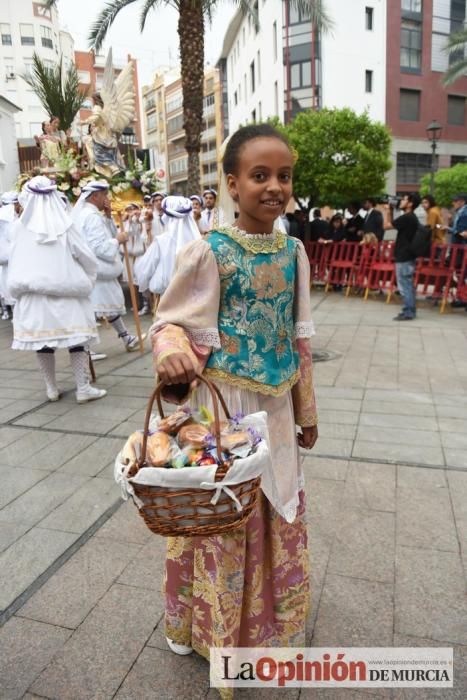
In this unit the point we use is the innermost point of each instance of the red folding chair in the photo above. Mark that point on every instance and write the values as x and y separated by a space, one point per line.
366 256
341 264
461 290
437 271
322 266
382 271
311 249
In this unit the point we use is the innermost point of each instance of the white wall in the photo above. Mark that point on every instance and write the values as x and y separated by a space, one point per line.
18 56
348 51
9 165
244 50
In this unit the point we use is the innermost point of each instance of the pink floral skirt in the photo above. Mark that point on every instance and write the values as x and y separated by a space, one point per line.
247 588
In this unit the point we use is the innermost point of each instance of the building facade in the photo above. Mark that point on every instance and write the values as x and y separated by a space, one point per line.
90 69
27 27
417 34
9 164
165 136
276 64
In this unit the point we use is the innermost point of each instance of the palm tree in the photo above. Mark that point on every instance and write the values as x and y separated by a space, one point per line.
57 89
191 26
456 46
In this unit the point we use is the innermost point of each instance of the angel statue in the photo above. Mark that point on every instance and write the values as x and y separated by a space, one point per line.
114 109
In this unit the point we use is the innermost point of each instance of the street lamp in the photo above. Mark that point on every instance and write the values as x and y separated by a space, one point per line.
128 138
433 131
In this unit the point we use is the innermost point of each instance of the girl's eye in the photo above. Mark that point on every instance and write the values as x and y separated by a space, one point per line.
259 177
285 177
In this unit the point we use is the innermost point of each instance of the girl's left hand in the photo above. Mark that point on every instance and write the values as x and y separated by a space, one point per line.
308 437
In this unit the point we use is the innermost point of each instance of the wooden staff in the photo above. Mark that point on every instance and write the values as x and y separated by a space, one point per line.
134 301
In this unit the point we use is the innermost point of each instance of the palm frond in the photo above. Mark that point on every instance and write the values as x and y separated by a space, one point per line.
316 10
456 41
50 3
104 21
456 70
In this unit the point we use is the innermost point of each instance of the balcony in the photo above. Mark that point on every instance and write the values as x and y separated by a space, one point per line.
209 134
208 156
47 43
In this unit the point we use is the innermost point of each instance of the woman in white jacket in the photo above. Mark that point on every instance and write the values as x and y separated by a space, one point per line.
51 274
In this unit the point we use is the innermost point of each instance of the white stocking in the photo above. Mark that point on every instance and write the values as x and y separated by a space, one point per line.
46 362
80 365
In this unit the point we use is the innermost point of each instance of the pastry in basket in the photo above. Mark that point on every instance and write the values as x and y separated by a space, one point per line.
233 440
158 449
132 450
193 435
171 424
224 426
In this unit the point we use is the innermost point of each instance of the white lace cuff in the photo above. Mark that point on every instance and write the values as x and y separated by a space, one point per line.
205 336
304 329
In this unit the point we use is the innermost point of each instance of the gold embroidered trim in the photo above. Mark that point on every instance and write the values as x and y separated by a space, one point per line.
251 384
253 243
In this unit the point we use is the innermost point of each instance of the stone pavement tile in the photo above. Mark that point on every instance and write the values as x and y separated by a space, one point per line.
83 423
458 489
165 676
123 430
134 387
395 452
9 435
61 451
98 656
398 436
354 612
337 430
57 408
451 425
18 408
456 458
425 519
339 393
34 420
420 478
101 411
319 550
398 396
455 441
364 545
10 532
334 447
16 481
458 692
449 399
330 416
84 506
459 412
403 409
323 468
394 420
430 598
41 499
339 404
27 647
323 505
27 558
125 525
134 402
370 486
20 451
94 458
15 393
146 569
68 597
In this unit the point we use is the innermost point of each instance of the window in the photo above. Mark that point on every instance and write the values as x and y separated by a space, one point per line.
46 37
178 166
274 41
208 101
369 18
99 81
297 15
300 74
412 166
276 99
5 32
413 7
411 46
27 34
456 110
252 77
258 67
253 115
235 98
409 108
152 121
209 87
368 81
9 67
84 77
455 160
173 103
175 124
28 66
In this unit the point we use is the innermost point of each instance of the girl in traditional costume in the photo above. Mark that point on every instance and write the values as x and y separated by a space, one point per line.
238 310
51 274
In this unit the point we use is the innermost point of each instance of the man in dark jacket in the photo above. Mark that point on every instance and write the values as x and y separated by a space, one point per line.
373 222
318 227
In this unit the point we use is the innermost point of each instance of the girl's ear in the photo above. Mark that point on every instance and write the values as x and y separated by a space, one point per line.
232 187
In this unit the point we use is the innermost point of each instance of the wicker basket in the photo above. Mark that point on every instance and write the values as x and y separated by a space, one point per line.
186 512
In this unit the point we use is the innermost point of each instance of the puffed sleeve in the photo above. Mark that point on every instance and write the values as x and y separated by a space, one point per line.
82 253
146 265
96 231
186 319
303 395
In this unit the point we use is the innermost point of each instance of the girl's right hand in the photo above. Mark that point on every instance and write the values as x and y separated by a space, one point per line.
177 368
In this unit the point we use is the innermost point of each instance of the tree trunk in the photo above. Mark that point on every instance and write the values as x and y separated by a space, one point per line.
191 36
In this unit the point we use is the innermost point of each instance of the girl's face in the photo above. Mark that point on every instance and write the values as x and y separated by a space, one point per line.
425 204
262 186
196 206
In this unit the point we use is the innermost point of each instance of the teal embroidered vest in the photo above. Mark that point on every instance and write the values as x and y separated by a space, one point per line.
256 312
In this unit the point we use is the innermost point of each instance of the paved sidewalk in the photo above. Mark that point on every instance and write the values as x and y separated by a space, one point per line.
387 502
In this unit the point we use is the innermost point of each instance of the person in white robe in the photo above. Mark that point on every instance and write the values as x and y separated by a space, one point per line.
158 220
51 274
9 212
93 218
210 213
155 269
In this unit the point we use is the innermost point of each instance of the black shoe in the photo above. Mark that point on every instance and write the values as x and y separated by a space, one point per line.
403 317
457 304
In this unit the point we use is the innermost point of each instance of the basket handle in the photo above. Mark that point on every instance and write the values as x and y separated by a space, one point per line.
216 399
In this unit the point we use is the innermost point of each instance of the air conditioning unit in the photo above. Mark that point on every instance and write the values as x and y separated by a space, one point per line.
10 76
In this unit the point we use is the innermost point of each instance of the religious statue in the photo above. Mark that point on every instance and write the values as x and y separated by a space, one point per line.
114 109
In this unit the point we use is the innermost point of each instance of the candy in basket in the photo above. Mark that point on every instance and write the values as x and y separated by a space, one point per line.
192 474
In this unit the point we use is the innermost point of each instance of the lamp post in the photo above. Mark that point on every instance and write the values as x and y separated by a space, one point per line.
128 138
433 131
